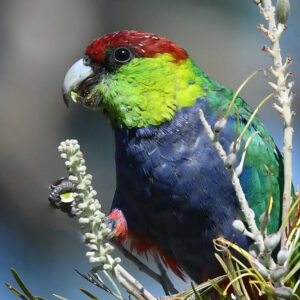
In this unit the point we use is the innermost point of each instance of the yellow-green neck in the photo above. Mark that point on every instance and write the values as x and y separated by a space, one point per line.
148 91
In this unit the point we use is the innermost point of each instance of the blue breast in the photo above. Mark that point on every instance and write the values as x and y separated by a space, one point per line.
173 188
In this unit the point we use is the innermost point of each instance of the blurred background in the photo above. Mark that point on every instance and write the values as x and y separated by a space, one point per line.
40 39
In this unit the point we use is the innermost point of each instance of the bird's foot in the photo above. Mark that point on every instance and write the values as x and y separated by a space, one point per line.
111 224
60 187
116 222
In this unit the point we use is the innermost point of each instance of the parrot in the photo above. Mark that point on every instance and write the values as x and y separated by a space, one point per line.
174 194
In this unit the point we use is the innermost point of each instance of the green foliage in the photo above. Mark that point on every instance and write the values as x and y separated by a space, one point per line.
89 294
26 295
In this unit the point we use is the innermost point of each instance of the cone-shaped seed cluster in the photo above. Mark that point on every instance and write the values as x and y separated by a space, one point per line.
88 208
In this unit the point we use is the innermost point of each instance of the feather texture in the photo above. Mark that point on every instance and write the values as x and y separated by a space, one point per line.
173 188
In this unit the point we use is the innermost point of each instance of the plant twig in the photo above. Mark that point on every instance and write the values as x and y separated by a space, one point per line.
245 208
284 90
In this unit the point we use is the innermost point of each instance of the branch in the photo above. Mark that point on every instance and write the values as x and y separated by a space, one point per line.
247 211
281 86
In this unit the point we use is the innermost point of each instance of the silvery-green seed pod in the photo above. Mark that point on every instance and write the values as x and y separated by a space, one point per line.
230 160
239 226
261 269
253 250
271 241
278 273
282 10
237 146
264 221
220 124
282 256
284 292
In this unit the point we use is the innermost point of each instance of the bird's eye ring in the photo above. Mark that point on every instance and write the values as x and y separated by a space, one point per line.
87 60
122 55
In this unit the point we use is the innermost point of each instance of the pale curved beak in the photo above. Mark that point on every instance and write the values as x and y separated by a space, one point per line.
73 78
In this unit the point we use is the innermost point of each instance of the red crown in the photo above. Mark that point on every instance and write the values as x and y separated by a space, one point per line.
141 43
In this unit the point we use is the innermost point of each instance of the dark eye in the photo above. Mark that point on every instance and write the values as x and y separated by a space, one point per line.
87 60
122 55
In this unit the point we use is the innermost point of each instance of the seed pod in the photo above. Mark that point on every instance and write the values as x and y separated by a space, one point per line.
230 160
237 146
67 197
220 124
264 221
261 269
278 273
282 10
272 240
253 250
284 292
282 256
238 225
